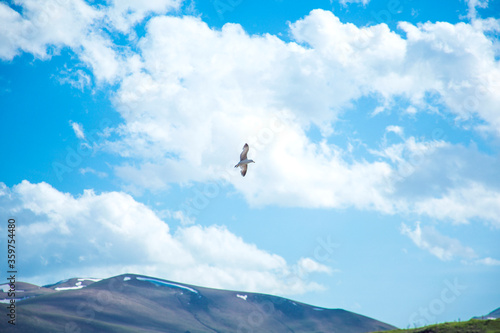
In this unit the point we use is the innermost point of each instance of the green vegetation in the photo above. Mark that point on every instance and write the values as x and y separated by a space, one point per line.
471 326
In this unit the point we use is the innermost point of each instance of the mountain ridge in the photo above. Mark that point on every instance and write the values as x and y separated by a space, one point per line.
138 303
495 314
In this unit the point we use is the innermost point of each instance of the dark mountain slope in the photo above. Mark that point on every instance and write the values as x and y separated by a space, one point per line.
23 290
132 303
495 314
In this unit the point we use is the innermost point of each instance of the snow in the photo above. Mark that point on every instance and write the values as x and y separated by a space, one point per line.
126 278
7 300
78 285
243 297
168 284
90 279
70 288
6 287
318 309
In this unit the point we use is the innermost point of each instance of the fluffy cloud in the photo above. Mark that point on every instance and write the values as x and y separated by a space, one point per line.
462 204
375 59
436 50
111 233
43 29
190 96
473 4
197 89
124 14
43 26
201 89
443 181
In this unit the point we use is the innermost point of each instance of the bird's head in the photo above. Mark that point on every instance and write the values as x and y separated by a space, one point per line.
251 161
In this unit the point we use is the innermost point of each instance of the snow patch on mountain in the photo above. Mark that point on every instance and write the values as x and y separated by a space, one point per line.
89 279
4 287
77 286
167 284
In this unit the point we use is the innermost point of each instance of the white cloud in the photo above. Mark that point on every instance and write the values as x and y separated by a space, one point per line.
59 24
443 181
43 29
78 129
183 218
377 60
216 245
194 68
197 89
10 20
44 25
78 78
461 204
470 92
87 170
342 63
190 96
489 261
98 52
443 247
124 14
395 129
409 155
473 4
345 2
307 265
116 234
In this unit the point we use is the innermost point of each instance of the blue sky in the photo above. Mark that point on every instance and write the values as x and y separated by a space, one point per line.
374 125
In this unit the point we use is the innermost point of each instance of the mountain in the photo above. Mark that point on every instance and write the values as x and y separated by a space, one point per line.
23 291
71 284
495 314
134 303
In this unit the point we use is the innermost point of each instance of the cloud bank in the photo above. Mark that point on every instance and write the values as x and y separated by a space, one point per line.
191 95
200 92
110 233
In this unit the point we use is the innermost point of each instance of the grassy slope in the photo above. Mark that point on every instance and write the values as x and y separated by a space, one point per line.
471 326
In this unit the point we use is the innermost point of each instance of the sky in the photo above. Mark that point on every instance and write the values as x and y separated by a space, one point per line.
374 127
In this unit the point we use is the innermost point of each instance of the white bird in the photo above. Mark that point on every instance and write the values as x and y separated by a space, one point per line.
243 164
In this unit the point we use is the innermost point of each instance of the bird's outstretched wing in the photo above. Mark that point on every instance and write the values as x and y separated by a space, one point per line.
243 155
244 168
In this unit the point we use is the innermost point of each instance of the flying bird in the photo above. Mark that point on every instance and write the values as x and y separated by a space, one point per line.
244 161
